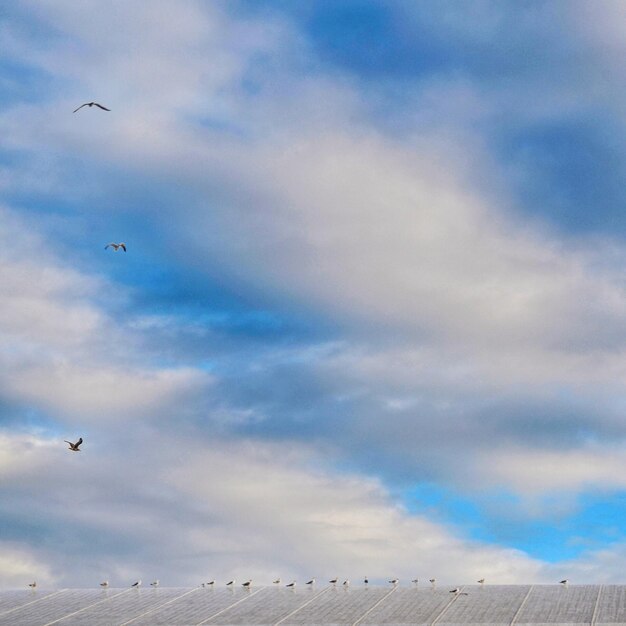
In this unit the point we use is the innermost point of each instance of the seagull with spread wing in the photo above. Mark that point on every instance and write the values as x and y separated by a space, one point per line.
116 246
91 104
74 446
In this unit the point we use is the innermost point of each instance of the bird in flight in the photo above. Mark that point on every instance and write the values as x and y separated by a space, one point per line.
116 246
104 584
91 104
74 446
136 584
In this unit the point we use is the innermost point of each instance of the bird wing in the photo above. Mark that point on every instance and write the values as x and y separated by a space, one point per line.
100 106
80 107
79 442
123 246
108 245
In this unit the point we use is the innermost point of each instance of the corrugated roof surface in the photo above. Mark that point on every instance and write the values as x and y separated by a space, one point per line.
495 605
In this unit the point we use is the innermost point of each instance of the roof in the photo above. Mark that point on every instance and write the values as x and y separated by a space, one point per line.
493 604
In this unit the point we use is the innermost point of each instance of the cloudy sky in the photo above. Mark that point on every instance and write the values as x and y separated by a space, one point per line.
372 317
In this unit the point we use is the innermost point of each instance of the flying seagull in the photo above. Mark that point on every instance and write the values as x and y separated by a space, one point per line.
90 104
154 583
104 584
247 584
291 584
277 581
116 246
137 584
33 584
74 446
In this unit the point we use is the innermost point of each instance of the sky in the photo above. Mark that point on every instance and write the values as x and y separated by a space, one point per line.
371 319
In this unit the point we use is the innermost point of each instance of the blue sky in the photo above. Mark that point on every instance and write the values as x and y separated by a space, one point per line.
372 309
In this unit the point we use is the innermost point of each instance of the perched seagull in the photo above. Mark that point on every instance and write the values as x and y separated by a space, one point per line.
291 584
458 592
415 581
366 581
90 104
481 581
247 584
432 581
104 584
137 584
231 583
33 584
116 246
311 582
277 581
74 446
346 583
333 581
394 581
564 582
154 583
211 582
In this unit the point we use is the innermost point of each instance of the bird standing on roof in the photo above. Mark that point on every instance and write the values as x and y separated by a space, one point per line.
334 580
564 582
210 583
481 581
292 584
394 581
458 592
230 583
74 446
104 584
415 581
366 581
247 584
311 582
433 581
154 583
33 585
116 246
346 583
137 584
277 581
91 104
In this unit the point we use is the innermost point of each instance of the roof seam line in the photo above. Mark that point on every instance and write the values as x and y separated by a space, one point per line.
230 606
55 621
594 617
317 595
445 608
21 606
156 608
373 607
521 606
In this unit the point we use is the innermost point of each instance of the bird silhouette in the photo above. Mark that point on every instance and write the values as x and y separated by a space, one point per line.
291 584
74 446
116 246
247 584
104 584
91 104
137 584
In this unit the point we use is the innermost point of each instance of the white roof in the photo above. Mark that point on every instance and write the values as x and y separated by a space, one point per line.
492 604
